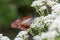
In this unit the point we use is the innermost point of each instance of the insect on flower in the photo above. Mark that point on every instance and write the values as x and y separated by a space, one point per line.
22 23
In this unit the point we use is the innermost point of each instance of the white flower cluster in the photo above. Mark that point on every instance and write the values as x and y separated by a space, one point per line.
37 22
42 2
22 35
52 21
38 3
50 35
55 25
56 8
43 21
37 37
52 2
47 20
4 37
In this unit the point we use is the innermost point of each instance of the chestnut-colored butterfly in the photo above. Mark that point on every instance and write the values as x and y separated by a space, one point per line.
22 23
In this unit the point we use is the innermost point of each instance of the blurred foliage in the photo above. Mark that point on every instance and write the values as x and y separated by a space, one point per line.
57 38
10 10
24 2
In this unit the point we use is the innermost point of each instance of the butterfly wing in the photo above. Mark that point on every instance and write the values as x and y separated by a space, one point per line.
27 22
22 23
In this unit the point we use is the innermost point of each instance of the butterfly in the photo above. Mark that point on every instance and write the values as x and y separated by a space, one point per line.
22 23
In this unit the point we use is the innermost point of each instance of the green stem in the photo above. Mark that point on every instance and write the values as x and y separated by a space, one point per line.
44 29
37 10
47 8
39 31
23 37
26 38
30 31
42 12
47 11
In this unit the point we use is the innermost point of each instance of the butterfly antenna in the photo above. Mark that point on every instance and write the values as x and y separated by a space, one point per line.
33 16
